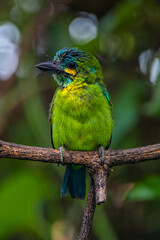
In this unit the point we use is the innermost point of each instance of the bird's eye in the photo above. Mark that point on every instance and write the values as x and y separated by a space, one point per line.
72 65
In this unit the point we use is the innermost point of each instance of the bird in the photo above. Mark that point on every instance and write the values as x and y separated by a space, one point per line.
80 112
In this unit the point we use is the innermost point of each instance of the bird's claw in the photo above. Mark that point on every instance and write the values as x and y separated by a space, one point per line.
62 153
101 154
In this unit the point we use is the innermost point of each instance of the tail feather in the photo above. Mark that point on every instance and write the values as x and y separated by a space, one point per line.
74 182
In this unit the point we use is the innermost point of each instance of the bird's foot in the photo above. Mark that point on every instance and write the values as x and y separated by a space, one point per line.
62 153
101 154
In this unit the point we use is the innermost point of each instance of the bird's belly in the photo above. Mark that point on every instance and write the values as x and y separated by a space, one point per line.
81 119
85 133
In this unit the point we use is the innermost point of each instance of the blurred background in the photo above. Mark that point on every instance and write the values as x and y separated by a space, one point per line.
125 36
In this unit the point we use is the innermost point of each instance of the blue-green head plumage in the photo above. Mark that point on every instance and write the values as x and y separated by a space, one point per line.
73 66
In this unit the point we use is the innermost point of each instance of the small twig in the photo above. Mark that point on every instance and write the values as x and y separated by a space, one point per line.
88 214
100 183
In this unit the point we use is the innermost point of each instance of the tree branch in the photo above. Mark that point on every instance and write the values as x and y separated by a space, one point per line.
99 173
89 159
88 214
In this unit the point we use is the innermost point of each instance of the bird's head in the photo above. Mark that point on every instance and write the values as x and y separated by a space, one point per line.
73 66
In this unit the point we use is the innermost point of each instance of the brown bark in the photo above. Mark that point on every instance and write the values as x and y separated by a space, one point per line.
88 214
100 184
100 173
89 159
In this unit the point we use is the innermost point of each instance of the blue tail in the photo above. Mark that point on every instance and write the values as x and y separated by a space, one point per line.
74 181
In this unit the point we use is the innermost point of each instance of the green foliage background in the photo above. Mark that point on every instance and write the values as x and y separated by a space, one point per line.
127 43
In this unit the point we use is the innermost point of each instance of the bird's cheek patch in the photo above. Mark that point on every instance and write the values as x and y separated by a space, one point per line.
70 71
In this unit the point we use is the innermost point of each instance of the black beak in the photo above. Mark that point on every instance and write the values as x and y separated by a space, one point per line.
50 67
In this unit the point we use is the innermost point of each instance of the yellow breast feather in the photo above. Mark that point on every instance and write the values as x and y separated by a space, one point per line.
73 87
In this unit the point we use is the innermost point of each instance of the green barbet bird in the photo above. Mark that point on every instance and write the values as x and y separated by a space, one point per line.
80 112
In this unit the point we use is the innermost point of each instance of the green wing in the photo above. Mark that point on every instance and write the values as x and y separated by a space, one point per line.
106 94
50 121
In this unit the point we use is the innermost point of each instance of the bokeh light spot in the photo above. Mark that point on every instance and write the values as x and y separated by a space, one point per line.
83 29
30 6
155 70
9 49
144 59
